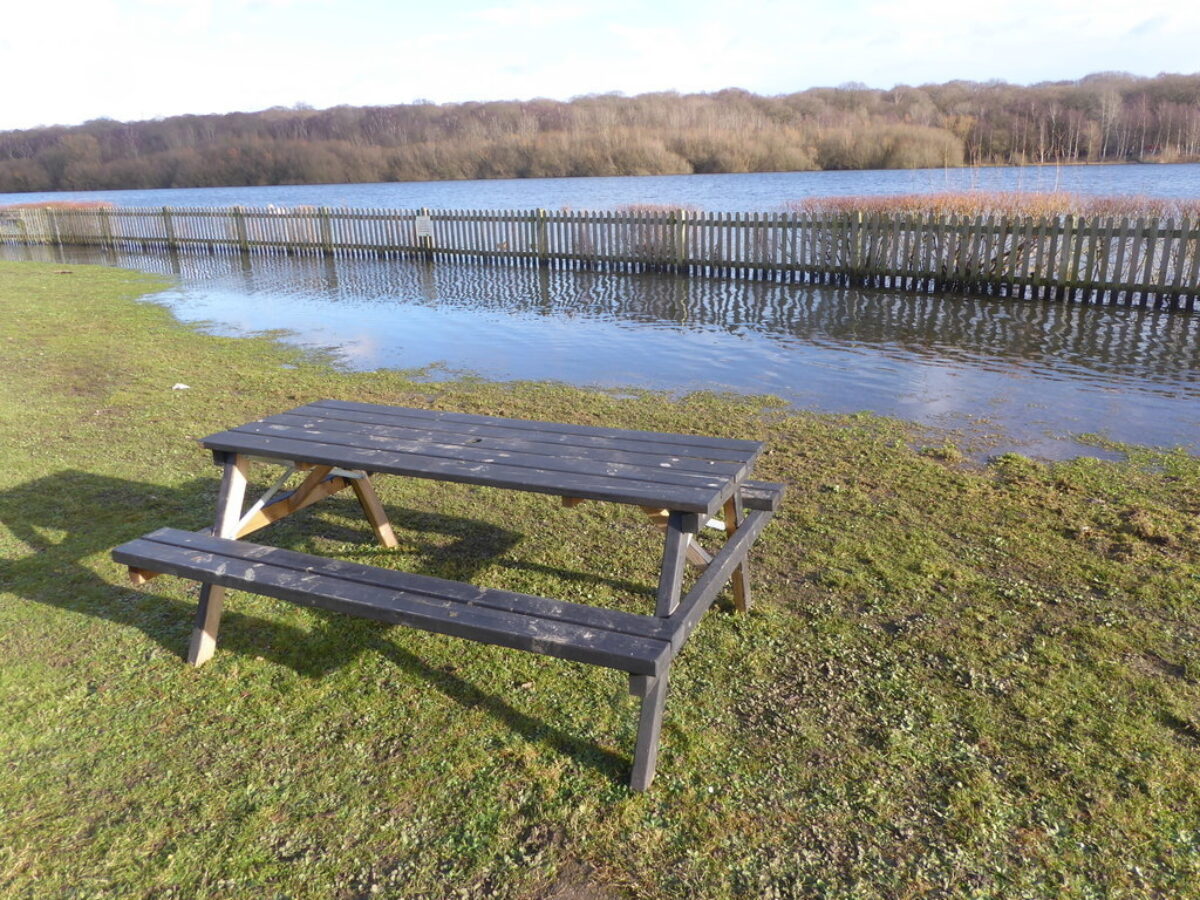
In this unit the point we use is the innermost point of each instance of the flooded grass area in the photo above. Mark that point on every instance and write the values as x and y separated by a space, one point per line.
1017 375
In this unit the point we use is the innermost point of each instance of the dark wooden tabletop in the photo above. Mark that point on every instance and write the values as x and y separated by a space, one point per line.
690 473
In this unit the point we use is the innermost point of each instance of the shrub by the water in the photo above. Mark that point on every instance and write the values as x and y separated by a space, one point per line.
1002 203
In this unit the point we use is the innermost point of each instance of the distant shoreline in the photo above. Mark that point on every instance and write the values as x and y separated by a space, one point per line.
848 128
1082 164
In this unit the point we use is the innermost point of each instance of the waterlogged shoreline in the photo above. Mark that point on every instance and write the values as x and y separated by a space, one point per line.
1006 374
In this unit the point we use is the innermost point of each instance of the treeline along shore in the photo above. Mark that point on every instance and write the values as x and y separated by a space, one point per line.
1105 256
1106 117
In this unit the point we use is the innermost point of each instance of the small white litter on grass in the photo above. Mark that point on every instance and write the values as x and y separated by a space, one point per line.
180 386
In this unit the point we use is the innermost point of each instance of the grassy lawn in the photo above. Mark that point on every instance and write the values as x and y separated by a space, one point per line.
958 680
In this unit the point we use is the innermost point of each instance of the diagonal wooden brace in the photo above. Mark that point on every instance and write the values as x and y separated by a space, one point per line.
373 509
696 555
317 485
734 517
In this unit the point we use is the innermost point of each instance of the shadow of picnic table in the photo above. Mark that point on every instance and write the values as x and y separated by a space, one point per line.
65 525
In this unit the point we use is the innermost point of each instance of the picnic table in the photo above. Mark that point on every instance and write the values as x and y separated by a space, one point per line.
680 481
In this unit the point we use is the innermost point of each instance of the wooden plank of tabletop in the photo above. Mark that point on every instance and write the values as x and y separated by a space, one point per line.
433 435
704 499
627 441
482 453
547 427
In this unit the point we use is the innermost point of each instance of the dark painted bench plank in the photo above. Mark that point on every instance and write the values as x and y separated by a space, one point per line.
478 453
514 445
498 429
695 441
537 635
762 494
591 487
492 598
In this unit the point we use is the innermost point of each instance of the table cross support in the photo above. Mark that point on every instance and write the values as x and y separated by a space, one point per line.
319 483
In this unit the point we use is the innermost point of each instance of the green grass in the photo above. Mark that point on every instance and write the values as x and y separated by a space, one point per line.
958 680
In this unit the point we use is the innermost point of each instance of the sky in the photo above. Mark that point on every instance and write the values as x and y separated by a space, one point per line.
68 62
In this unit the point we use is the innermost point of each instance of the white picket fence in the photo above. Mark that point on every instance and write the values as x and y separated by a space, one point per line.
1101 259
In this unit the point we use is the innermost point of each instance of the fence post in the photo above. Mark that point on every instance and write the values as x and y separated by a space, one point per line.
52 221
681 236
106 233
853 258
1072 248
239 224
326 231
168 227
543 241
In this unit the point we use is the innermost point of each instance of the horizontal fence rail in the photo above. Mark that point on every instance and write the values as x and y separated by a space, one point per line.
1096 260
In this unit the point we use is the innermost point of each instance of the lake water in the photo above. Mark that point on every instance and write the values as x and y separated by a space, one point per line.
762 192
1022 375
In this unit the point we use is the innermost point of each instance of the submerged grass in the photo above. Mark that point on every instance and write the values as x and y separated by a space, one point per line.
957 681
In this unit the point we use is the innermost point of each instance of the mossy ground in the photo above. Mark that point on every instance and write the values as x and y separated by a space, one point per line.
958 680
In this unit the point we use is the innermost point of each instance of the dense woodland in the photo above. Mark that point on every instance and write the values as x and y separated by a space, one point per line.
1103 117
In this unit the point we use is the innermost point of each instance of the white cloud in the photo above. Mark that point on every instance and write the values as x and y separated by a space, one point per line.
134 59
535 15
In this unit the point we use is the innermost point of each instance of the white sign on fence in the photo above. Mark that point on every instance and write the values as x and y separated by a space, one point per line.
424 227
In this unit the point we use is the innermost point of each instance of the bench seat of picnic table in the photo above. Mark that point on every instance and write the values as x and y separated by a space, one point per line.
765 495
640 645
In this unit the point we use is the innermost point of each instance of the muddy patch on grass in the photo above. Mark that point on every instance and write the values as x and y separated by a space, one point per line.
577 880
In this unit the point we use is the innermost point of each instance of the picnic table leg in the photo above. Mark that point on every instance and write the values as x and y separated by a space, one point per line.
696 554
653 691
679 530
734 516
373 509
212 596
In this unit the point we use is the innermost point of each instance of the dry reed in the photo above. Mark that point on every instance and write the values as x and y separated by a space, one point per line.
1002 203
62 204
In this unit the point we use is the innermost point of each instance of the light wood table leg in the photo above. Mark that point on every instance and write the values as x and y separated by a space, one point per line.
212 597
317 485
374 511
734 516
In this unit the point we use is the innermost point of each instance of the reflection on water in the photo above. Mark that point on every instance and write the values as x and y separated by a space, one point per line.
1037 371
